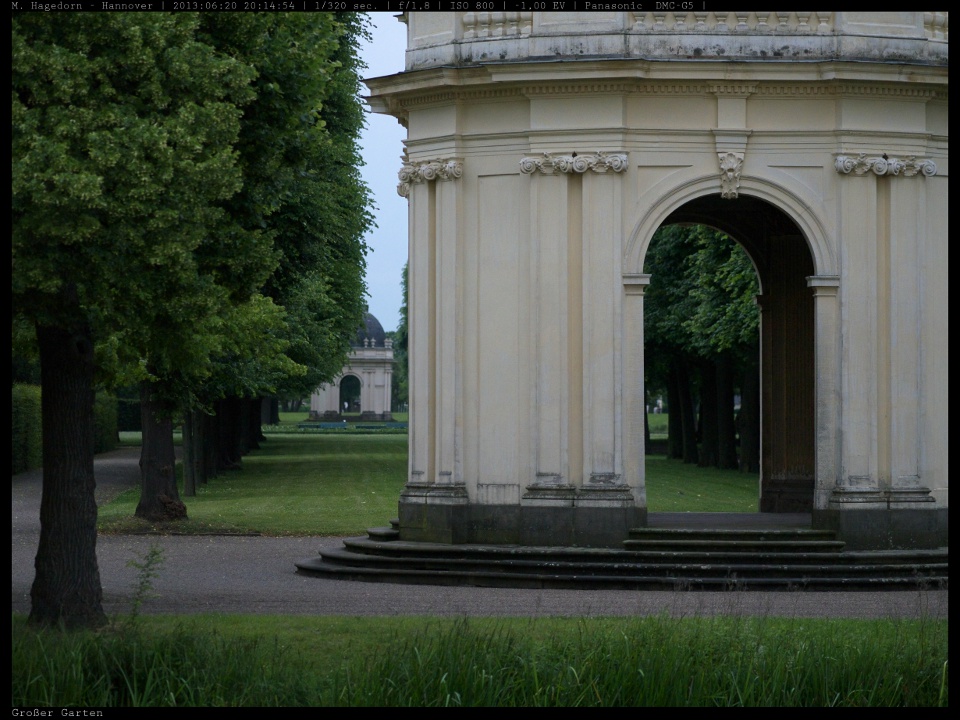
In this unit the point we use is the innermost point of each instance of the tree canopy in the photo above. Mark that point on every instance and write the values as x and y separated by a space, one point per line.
186 210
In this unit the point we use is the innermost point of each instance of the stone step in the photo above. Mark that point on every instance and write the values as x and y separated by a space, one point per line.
544 577
382 557
672 534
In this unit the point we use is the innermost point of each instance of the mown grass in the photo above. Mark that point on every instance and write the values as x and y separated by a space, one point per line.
343 483
293 485
653 661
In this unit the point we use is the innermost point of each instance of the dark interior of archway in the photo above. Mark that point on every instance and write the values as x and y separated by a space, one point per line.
350 394
783 262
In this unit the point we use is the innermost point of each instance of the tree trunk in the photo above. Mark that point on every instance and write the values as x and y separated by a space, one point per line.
199 435
211 446
230 435
246 442
748 422
646 426
726 428
189 467
270 412
253 427
67 586
159 499
709 435
688 415
674 415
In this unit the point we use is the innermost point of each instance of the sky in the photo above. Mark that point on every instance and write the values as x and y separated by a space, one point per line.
382 148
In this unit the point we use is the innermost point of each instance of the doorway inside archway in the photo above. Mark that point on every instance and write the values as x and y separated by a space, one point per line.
350 394
729 352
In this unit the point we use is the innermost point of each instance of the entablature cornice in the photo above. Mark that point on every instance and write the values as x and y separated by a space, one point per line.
400 103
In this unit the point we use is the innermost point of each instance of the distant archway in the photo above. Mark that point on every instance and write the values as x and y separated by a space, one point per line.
350 391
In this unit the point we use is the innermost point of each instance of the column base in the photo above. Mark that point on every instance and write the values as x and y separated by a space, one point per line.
546 516
868 524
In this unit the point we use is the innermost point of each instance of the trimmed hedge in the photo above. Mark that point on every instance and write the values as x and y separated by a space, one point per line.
27 440
26 447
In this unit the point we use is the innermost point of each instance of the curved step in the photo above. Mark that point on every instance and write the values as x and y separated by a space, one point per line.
771 565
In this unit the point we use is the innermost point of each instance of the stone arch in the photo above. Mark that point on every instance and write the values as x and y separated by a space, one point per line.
798 326
352 393
805 212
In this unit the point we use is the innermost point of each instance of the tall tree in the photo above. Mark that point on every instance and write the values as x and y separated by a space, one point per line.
699 311
299 150
124 127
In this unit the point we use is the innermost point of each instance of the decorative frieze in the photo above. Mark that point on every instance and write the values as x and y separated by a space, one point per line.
884 165
599 162
418 172
496 24
808 22
731 165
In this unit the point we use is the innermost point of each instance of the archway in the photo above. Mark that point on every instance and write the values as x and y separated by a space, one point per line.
701 356
350 389
783 263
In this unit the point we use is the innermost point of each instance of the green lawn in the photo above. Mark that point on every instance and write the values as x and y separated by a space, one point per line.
673 486
340 483
295 484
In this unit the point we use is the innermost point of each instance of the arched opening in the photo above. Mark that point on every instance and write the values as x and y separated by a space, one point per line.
784 352
350 394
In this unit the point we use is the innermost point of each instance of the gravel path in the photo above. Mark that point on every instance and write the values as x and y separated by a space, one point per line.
219 574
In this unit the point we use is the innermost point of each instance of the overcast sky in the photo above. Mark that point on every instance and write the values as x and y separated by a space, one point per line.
382 143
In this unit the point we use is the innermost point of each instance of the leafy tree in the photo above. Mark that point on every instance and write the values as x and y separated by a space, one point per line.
299 150
124 127
400 386
701 323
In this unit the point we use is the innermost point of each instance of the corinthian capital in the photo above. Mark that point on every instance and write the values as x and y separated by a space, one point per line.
884 165
418 172
599 162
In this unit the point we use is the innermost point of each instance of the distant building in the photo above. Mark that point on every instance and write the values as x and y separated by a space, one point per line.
364 385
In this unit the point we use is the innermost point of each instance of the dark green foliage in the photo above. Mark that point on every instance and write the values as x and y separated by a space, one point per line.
299 152
27 441
26 435
701 295
128 409
401 383
701 331
105 423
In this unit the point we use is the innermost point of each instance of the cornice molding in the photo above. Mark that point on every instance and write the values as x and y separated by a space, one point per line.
409 99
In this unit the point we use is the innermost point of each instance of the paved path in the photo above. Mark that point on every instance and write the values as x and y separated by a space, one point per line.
257 575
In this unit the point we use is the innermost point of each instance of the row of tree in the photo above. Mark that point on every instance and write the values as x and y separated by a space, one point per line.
188 216
701 340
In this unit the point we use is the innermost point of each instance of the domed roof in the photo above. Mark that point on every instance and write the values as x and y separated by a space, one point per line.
370 330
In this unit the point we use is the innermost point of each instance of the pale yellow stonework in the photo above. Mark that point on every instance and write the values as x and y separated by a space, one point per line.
544 149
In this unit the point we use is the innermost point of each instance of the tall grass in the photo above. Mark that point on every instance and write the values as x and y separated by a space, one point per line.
484 662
